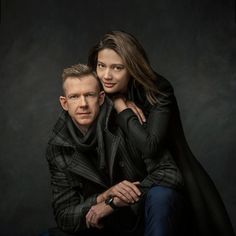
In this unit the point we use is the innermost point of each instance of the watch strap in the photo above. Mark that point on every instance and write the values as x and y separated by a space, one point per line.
110 201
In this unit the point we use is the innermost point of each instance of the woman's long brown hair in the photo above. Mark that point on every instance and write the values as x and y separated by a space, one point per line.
134 58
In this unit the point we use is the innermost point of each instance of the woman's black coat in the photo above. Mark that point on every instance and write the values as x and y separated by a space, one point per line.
164 131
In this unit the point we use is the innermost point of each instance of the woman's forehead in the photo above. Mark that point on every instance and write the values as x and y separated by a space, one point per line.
109 56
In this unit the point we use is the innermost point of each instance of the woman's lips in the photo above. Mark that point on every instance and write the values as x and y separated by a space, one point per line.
108 85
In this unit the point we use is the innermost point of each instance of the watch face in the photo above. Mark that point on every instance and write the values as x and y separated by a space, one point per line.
109 200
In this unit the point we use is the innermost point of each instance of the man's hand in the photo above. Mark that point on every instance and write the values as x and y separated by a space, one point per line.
126 191
100 210
96 213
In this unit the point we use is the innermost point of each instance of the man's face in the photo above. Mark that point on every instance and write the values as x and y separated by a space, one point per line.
82 100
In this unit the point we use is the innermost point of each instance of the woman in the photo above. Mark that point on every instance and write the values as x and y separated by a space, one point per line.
153 126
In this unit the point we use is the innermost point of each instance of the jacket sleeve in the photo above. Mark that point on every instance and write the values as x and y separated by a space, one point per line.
68 203
150 137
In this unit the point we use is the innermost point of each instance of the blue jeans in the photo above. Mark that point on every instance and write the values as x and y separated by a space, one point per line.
164 212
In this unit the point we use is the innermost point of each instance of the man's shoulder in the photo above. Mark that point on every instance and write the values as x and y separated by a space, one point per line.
59 135
61 156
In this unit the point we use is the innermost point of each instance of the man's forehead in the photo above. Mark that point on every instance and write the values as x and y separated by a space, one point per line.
82 78
82 83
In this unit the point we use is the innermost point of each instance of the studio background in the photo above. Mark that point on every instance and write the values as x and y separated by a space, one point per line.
192 43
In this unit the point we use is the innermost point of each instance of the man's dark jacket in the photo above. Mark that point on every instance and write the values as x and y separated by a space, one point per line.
77 180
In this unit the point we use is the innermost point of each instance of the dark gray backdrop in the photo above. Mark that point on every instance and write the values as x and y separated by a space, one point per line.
192 43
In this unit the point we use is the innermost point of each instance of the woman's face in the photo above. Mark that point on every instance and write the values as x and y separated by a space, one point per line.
112 71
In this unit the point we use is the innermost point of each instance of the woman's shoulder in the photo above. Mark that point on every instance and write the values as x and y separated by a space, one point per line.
163 85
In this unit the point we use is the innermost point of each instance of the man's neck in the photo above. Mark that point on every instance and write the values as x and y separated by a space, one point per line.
83 129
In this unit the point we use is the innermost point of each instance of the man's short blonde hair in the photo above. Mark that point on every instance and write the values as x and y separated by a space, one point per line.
78 71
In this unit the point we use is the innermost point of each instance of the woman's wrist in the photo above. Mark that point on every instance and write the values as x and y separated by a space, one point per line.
119 104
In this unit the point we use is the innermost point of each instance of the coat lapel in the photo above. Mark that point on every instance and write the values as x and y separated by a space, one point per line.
82 166
112 143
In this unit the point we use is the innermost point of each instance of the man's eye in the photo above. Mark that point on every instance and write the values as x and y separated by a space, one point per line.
73 97
90 95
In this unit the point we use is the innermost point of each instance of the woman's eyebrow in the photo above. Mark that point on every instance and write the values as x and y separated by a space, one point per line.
113 64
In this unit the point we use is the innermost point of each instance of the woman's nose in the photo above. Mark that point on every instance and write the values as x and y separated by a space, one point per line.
107 74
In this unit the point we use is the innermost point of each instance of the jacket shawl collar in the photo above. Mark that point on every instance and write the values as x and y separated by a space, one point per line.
78 163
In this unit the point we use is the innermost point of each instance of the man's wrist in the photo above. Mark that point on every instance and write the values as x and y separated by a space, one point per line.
110 201
101 198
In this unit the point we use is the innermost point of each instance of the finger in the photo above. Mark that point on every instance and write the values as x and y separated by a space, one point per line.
129 190
120 203
87 224
88 216
142 116
121 193
94 221
137 114
129 193
97 223
133 186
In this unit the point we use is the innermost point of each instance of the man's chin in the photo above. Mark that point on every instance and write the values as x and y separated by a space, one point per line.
84 122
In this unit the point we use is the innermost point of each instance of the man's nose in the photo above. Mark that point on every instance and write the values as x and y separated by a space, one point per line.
83 101
107 74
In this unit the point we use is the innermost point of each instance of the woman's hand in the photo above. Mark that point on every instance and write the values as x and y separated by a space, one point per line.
138 112
120 104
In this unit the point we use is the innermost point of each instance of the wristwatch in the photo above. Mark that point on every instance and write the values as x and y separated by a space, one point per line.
109 201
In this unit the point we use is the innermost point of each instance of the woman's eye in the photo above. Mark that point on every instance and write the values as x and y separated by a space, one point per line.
118 68
100 66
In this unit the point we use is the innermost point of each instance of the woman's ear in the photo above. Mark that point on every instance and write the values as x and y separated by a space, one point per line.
101 97
63 103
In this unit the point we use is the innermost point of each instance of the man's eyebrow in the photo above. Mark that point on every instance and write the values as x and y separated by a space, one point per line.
70 94
91 92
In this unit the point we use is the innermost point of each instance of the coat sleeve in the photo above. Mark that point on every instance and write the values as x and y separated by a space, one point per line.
151 137
69 205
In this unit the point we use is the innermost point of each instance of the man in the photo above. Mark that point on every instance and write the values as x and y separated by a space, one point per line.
87 184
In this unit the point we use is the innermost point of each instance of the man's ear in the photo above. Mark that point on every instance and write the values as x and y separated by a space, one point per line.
101 97
63 102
